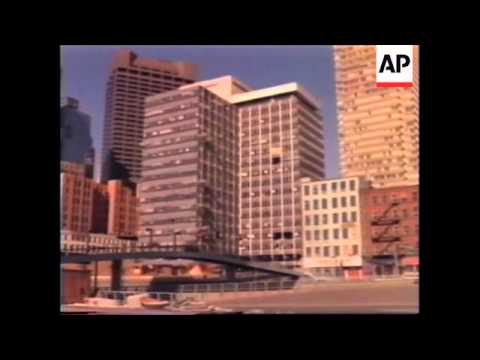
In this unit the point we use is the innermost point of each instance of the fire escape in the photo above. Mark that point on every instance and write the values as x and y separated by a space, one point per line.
387 222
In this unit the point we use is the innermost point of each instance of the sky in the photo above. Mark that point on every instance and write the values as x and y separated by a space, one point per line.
85 72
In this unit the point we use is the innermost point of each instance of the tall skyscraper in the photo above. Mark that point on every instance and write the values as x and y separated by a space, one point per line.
378 127
132 79
188 191
75 140
281 141
223 163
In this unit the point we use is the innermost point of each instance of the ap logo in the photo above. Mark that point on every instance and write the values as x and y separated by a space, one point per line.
394 65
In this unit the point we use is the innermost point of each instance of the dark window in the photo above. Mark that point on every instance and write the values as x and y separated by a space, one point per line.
345 233
317 235
307 205
344 201
353 216
288 235
324 188
315 190
353 201
336 233
307 220
315 204
334 186
344 217
324 204
355 249
335 218
343 186
334 203
326 251
352 185
336 250
325 219
309 252
316 220
276 160
325 234
277 235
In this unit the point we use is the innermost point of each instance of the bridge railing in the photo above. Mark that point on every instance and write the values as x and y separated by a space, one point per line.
238 287
121 296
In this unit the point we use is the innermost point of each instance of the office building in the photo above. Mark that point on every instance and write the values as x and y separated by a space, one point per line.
332 227
378 126
391 223
75 140
188 191
281 141
76 196
131 79
90 207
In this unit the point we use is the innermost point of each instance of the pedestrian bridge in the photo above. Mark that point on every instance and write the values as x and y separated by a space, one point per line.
85 255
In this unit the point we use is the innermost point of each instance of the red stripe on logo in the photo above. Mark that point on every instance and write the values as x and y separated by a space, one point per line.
394 84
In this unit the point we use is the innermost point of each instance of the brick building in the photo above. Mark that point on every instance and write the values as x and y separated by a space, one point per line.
390 222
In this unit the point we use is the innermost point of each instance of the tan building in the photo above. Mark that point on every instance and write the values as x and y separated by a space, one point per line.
122 209
378 127
131 80
332 228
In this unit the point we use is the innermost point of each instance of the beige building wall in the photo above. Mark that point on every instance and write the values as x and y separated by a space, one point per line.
332 227
378 127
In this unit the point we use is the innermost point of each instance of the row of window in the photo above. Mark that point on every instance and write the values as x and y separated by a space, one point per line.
385 199
333 187
347 251
325 234
334 205
335 218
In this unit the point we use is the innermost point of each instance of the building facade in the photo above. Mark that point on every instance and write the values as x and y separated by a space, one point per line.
131 80
87 206
281 141
75 140
190 165
378 127
332 226
391 225
76 198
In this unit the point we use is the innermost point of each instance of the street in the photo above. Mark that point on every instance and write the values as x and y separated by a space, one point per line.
396 297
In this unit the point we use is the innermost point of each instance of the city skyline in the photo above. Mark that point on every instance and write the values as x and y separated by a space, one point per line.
87 67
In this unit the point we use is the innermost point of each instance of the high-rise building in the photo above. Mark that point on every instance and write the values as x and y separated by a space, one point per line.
75 140
332 226
281 141
188 191
225 161
378 126
132 79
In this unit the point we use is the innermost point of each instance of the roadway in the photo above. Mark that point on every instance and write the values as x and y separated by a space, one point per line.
394 297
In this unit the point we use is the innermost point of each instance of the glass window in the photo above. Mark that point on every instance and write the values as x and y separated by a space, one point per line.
336 250
334 203
352 185
345 233
317 251
334 186
353 215
324 204
343 186
307 220
353 201
325 234
336 233
307 205
344 217
309 252
316 220
324 188
325 219
315 204
315 189
326 251
308 235
355 249
307 190
335 218
344 201
317 235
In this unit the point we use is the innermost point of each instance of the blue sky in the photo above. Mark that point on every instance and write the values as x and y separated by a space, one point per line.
86 69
